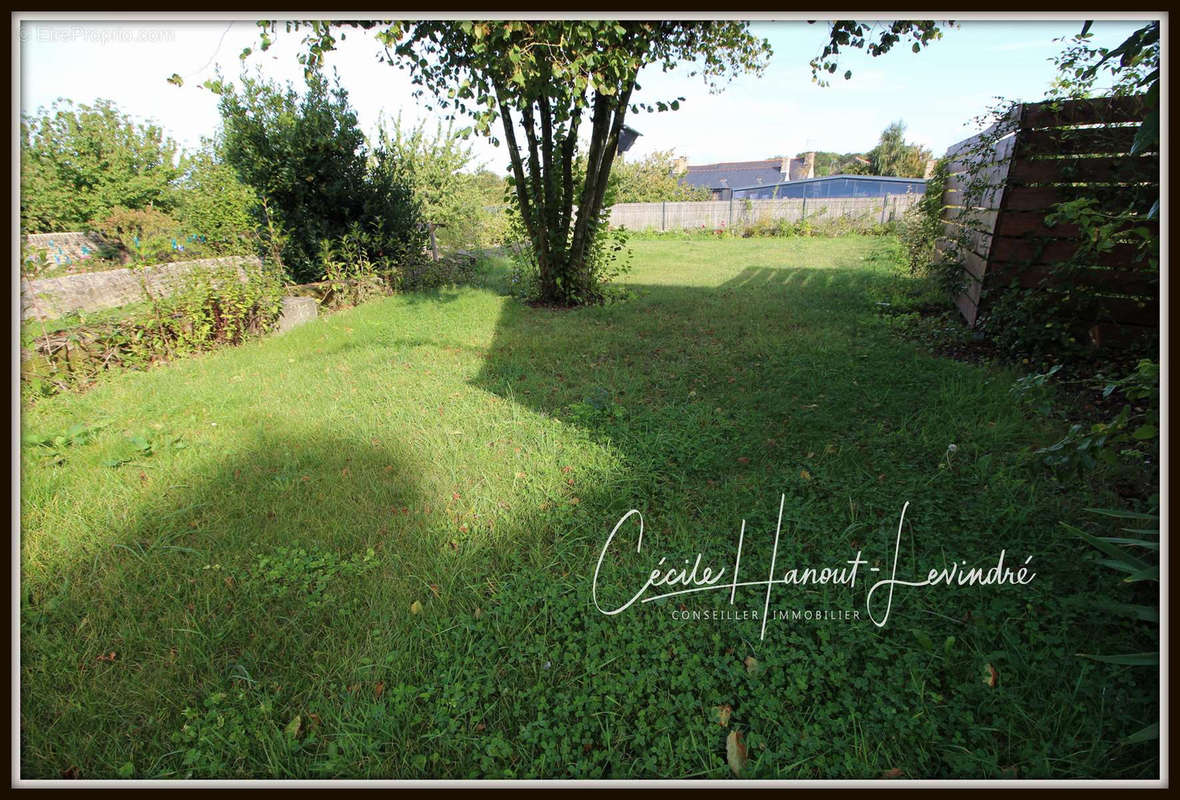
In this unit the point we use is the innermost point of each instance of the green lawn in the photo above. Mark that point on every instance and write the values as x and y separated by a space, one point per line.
365 548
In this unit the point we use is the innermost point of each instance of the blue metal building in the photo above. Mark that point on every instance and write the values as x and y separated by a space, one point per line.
834 186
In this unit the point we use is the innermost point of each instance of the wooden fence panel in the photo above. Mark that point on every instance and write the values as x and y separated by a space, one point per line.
1004 182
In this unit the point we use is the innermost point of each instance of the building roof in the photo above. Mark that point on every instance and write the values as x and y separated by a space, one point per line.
869 178
734 173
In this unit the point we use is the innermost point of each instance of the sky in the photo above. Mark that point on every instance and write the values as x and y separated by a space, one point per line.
937 93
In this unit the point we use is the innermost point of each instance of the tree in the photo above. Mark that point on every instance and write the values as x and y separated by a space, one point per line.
214 204
652 179
437 165
306 158
829 163
896 157
81 162
544 81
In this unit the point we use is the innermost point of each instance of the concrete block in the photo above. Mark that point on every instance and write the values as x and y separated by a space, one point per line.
296 311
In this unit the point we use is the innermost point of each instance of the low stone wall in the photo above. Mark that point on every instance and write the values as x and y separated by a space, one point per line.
49 298
65 248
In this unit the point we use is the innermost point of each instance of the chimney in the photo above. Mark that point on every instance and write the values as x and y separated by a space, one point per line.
785 169
809 165
680 166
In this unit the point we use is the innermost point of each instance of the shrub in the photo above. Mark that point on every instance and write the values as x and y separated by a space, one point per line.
306 158
457 201
214 207
81 162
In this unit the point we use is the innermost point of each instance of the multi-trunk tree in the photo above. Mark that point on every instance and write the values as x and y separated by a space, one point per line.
546 84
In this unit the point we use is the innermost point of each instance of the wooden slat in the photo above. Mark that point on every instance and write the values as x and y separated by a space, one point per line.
1009 122
999 152
1028 251
1102 169
1077 141
991 175
978 241
1111 198
1050 114
1032 223
1140 284
986 197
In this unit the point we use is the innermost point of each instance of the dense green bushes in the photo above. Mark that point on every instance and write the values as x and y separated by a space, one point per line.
306 156
82 162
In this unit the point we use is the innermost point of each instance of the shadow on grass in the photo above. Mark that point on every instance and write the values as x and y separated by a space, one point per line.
177 604
716 402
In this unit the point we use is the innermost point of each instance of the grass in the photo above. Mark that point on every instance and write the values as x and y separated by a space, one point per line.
365 548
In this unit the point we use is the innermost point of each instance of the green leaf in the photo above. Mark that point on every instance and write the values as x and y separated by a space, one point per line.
1117 514
1150 574
1145 432
1146 734
1134 610
1150 545
1127 659
293 726
176 80
1121 557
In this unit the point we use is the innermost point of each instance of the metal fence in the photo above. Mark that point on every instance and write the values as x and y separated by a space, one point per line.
739 213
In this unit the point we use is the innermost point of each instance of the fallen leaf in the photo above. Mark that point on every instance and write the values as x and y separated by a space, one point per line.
743 460
751 665
479 726
722 714
735 752
478 613
415 607
434 588
379 689
804 474
293 727
990 676
892 773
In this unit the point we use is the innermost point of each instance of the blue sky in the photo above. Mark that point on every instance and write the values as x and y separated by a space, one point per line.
937 93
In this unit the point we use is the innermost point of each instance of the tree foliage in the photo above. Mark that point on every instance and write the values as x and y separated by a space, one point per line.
1133 68
832 163
215 205
896 157
438 165
846 33
652 179
306 157
544 82
81 162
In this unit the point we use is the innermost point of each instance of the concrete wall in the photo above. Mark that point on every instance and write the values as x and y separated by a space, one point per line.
715 214
49 298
